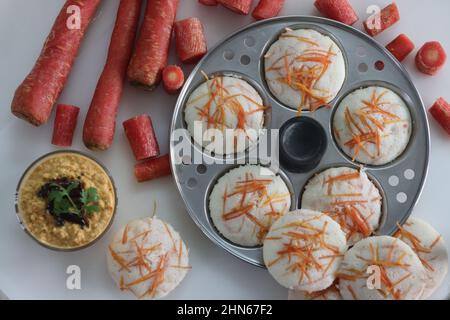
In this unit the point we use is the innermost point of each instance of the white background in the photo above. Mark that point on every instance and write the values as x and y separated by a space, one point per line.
29 271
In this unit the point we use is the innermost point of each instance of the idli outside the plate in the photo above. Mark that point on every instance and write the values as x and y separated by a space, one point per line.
246 201
303 250
228 107
430 247
401 275
304 69
372 125
349 197
148 258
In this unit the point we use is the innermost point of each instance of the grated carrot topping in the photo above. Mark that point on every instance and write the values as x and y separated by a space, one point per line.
125 235
314 64
374 120
245 188
352 292
223 101
120 261
300 250
389 286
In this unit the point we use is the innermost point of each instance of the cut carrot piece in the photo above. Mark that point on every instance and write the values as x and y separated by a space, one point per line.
142 138
441 113
401 47
239 6
209 2
152 169
190 40
267 9
152 46
173 79
431 58
65 124
339 10
377 23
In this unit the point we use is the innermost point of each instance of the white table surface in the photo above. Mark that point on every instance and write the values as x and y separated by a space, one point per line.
28 271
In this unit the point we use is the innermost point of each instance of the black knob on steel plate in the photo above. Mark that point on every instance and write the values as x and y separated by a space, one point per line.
303 142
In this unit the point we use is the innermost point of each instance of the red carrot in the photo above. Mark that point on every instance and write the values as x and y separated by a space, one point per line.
100 123
431 58
152 169
377 23
35 97
339 10
152 49
141 136
208 2
173 79
65 124
401 47
239 6
441 112
267 9
190 40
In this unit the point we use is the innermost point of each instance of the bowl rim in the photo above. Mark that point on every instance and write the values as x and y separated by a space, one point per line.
31 167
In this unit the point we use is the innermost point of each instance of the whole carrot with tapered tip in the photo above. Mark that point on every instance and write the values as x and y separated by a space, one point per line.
100 123
35 97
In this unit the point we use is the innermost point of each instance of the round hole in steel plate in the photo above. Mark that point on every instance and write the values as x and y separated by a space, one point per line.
402 197
393 181
361 51
245 60
250 41
379 65
201 169
409 174
228 55
192 183
363 67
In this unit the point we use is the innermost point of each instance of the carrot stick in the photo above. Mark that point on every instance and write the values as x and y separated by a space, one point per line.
239 6
152 169
152 49
100 123
65 124
401 47
210 3
190 40
35 97
267 9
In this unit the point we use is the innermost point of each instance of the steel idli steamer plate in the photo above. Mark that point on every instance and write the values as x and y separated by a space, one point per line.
242 55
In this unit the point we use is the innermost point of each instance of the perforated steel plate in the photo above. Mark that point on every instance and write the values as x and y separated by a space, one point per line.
242 55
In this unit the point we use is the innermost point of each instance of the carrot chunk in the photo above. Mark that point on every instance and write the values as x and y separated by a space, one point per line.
267 9
377 23
209 2
431 58
239 6
141 136
190 40
152 169
401 47
152 48
173 79
339 10
65 124
35 97
100 122
441 113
